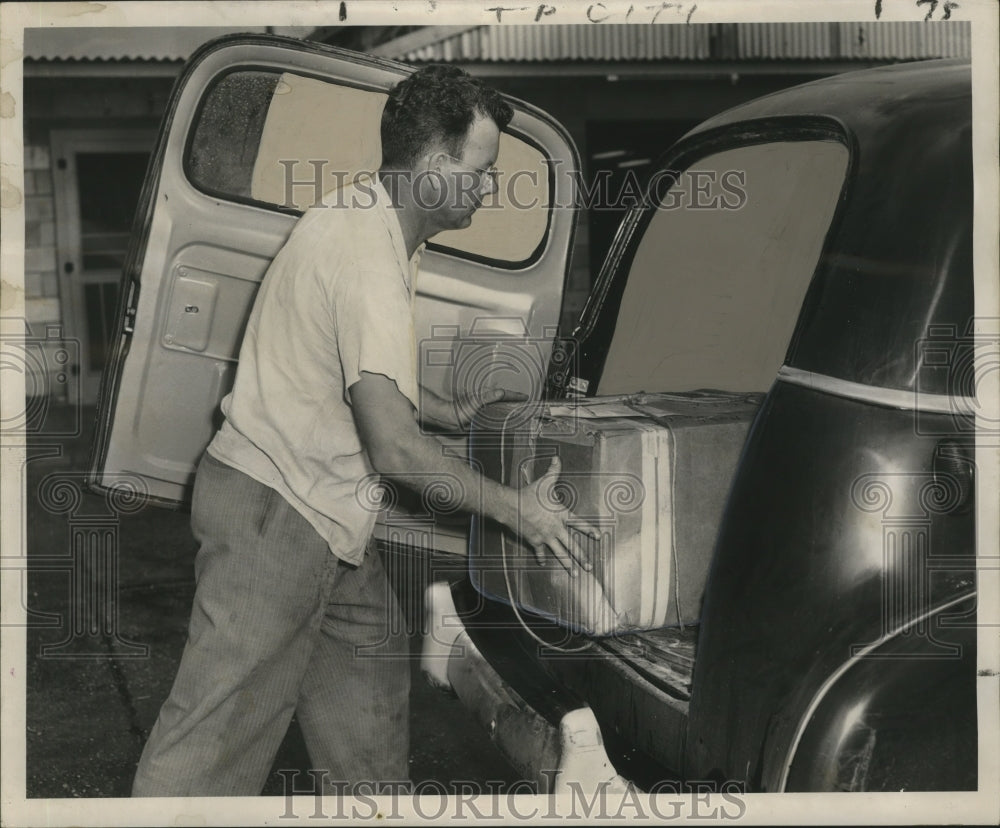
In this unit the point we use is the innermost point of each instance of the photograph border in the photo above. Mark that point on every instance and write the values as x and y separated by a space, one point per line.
902 808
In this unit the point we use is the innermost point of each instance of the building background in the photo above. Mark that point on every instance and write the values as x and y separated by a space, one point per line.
93 100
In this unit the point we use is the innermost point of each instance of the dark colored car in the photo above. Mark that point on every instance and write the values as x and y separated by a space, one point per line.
836 644
810 251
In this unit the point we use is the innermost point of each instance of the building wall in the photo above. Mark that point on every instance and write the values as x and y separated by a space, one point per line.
41 281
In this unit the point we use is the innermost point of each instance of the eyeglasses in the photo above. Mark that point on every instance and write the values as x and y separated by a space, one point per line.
490 173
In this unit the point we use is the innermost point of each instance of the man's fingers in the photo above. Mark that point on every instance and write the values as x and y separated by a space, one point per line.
562 555
553 547
582 539
569 550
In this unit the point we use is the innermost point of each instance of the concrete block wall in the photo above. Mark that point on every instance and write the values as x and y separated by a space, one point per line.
46 372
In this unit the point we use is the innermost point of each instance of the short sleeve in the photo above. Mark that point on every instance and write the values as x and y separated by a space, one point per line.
374 325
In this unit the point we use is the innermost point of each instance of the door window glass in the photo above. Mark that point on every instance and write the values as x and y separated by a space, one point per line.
714 290
291 141
225 139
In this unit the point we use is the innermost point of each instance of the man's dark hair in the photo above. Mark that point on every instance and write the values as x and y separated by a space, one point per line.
435 105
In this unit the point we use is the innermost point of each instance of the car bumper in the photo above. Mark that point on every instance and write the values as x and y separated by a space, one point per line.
552 755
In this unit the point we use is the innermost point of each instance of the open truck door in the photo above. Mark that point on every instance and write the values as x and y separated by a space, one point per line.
258 129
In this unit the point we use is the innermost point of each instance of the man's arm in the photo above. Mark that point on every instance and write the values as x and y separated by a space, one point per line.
456 415
396 448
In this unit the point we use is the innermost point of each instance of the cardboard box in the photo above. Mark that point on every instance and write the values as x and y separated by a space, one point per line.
651 471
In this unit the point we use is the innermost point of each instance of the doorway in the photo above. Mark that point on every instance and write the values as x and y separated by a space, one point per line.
97 176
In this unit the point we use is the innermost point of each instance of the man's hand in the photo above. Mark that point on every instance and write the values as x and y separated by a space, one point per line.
547 525
457 414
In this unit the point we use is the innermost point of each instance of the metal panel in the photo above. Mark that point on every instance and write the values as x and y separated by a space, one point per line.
775 40
757 41
566 42
868 40
905 41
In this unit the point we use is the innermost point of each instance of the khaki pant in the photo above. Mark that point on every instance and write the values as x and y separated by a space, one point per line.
279 626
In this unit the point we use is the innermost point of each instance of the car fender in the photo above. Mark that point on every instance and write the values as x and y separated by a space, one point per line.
897 715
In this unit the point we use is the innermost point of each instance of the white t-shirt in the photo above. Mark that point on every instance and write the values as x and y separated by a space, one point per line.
336 301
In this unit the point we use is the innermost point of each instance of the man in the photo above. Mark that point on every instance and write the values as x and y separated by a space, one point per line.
292 612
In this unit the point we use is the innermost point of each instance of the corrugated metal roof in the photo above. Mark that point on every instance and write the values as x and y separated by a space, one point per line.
637 42
869 40
771 40
129 43
564 42
901 40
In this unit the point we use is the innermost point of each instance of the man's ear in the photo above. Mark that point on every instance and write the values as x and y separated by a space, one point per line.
432 171
434 163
